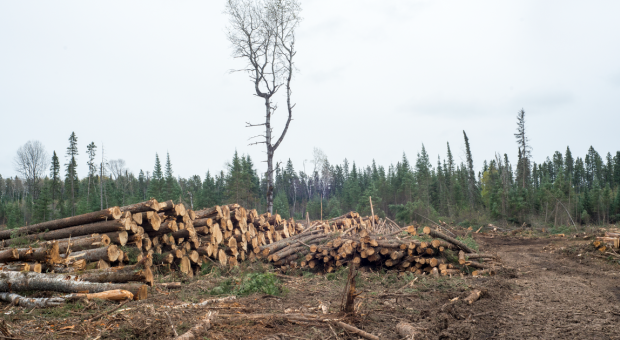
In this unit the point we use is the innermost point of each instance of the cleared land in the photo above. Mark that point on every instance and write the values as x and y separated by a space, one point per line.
549 288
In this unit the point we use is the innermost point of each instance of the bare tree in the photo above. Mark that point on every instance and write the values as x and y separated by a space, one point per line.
262 33
116 167
31 162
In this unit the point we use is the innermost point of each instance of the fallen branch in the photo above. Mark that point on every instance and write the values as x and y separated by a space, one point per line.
99 316
474 296
199 330
204 303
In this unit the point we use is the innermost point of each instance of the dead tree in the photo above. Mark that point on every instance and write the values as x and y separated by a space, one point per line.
262 33
31 162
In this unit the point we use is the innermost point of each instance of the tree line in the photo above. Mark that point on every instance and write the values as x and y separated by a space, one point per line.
563 190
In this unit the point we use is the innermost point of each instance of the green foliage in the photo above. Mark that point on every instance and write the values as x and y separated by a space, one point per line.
132 254
264 283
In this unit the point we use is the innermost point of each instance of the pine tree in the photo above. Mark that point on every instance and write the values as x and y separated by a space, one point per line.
41 205
72 151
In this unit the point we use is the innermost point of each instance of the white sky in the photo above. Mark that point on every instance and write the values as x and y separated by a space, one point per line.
376 79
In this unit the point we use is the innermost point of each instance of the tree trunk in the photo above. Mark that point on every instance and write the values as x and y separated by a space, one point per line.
103 215
164 206
27 281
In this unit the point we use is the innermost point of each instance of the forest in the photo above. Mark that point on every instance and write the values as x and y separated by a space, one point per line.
564 190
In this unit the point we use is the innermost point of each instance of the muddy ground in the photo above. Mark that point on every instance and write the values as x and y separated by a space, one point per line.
549 288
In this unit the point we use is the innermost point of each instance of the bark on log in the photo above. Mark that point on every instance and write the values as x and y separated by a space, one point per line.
24 281
213 212
165 206
82 243
113 213
109 253
138 273
26 302
80 230
10 254
438 234
49 253
150 205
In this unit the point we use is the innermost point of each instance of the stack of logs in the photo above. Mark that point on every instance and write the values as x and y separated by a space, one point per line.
116 248
610 240
325 250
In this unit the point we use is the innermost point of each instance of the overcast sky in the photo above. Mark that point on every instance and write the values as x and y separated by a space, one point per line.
376 79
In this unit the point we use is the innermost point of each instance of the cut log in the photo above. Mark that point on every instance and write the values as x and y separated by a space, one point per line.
10 254
213 212
109 253
18 300
138 272
113 213
80 230
438 234
150 205
26 281
165 206
112 295
47 254
119 238
81 243
474 296
150 221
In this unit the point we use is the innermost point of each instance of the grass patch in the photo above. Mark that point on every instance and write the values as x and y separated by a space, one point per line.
132 254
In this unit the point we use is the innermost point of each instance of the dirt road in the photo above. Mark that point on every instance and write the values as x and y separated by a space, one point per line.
552 294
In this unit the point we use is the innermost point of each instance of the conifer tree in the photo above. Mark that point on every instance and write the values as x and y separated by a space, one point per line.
171 188
524 146
471 179
72 151
55 192
155 188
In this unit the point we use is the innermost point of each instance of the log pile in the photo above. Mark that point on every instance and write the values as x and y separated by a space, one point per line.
115 249
610 240
326 250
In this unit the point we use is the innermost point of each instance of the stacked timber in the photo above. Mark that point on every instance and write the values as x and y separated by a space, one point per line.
326 251
101 251
609 240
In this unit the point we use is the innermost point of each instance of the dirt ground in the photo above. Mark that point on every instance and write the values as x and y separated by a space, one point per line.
549 288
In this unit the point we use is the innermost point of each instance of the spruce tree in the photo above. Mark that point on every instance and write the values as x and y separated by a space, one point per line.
471 179
524 145
617 170
55 184
171 187
71 176
155 188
